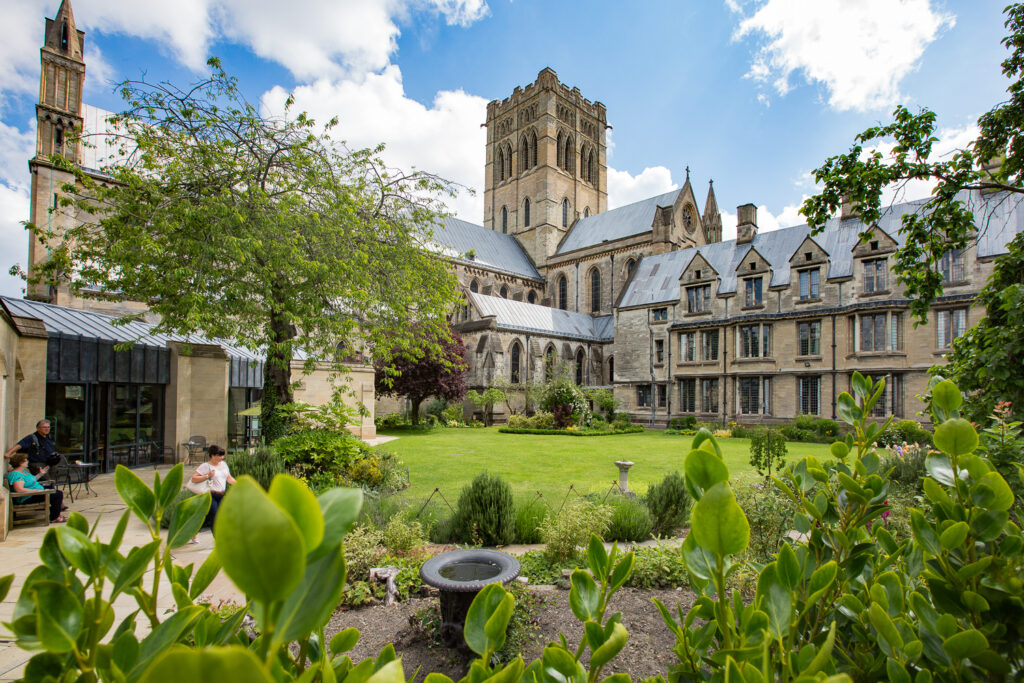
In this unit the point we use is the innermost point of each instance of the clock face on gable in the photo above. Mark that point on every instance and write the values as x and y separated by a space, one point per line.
688 220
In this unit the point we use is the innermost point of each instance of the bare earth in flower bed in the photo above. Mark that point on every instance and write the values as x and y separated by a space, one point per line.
647 653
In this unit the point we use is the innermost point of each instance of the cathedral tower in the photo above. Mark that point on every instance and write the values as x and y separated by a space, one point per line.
58 119
545 165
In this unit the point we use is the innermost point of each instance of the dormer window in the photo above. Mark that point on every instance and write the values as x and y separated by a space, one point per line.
696 275
809 284
807 256
698 299
874 246
753 292
874 275
951 265
753 265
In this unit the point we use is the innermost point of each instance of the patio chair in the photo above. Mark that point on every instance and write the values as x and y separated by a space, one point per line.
27 513
66 474
195 445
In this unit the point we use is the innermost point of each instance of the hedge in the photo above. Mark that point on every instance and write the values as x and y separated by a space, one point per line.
632 429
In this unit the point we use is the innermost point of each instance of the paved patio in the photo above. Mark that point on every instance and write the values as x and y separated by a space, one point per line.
19 554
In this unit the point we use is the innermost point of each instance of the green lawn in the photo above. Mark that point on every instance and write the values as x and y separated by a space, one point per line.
449 458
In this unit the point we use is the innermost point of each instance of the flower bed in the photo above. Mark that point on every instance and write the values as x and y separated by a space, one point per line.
631 429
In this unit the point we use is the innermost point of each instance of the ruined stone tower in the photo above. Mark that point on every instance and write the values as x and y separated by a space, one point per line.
545 165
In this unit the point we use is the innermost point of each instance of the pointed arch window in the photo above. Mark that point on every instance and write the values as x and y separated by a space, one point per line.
565 213
499 166
474 287
549 363
567 155
584 170
531 297
591 168
611 370
504 219
586 212
533 149
516 363
563 293
560 148
58 141
508 161
579 366
630 267
64 36
503 292
595 290
526 212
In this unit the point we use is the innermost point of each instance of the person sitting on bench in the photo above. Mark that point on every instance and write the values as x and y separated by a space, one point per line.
39 446
21 481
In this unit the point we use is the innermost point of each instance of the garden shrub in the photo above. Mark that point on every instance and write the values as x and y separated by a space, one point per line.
771 516
263 464
905 432
563 532
658 566
740 432
319 453
442 531
542 569
907 464
390 421
362 592
486 511
605 401
826 428
1002 441
566 402
401 537
669 504
688 422
362 551
529 515
630 521
767 451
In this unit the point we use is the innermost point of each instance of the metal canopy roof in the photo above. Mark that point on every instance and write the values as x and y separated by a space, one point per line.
490 249
518 315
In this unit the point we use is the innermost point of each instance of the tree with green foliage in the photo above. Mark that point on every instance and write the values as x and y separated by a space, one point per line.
767 451
229 222
420 374
485 401
985 361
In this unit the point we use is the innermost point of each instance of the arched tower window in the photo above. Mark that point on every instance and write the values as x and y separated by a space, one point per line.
565 213
515 364
560 149
611 370
533 149
499 165
58 141
568 155
504 219
508 161
474 287
591 167
531 297
586 212
64 36
579 366
503 292
595 290
526 212
630 267
549 363
563 293
583 164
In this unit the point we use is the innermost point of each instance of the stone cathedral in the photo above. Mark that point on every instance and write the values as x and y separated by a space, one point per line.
645 298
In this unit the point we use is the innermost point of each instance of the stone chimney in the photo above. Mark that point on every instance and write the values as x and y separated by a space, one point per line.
848 208
746 223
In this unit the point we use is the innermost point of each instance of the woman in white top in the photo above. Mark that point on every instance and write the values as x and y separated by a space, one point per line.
216 471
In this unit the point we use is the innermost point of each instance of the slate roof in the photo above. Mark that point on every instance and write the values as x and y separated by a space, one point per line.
491 249
60 320
656 279
625 221
525 317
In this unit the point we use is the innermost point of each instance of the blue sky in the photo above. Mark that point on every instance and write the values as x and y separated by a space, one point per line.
752 94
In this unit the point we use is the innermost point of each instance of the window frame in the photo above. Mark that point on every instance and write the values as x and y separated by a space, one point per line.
644 396
807 400
812 290
813 338
709 345
753 292
698 299
688 395
877 280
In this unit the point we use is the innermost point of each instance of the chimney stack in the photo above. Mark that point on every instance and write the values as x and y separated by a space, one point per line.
848 208
746 223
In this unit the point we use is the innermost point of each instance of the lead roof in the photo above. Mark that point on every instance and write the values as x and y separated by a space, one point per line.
616 224
526 317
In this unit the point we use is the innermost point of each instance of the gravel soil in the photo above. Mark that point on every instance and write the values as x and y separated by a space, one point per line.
647 653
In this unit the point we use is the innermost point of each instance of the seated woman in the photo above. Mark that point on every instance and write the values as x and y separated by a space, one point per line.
21 481
217 473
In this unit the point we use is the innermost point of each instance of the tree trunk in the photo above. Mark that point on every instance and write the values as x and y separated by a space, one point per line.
414 410
277 380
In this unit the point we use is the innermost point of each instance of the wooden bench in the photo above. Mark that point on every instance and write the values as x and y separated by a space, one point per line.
27 513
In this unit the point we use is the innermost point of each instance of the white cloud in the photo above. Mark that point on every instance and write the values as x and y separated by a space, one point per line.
445 138
16 147
625 188
859 51
20 36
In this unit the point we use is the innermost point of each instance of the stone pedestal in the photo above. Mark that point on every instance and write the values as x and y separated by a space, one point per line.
623 466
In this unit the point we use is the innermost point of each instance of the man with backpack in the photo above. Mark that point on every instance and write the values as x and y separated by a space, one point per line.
39 446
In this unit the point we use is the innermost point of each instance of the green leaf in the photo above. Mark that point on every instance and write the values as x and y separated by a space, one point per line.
496 626
58 616
698 561
171 486
956 437
718 523
621 573
125 652
839 450
1002 495
559 665
821 658
965 644
187 519
484 606
946 396
884 626
940 469
703 470
312 603
258 544
848 410
208 665
788 567
776 600
134 493
5 585
611 647
989 525
79 550
597 557
340 508
897 673
205 575
297 500
344 641
164 636
584 596
389 673
77 522
953 537
134 566
924 534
